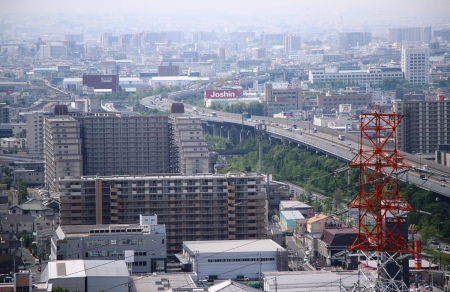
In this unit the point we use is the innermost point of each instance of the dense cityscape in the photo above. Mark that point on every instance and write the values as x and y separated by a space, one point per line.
239 146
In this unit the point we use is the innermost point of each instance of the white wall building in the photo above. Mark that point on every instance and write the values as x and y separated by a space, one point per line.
84 276
53 50
232 258
362 77
416 64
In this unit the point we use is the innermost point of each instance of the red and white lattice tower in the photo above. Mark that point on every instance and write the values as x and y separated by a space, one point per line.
381 208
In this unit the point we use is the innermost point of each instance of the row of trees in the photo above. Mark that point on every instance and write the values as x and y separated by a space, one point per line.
253 108
316 173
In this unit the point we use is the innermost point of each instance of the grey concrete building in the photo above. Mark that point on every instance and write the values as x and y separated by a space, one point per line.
426 125
125 144
95 242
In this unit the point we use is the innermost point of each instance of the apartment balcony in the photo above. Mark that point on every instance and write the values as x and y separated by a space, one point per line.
75 194
75 186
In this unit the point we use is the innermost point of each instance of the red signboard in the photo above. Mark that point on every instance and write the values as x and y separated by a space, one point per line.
215 94
236 82
417 254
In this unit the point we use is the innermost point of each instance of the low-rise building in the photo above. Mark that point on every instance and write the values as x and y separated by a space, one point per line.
147 243
84 276
229 259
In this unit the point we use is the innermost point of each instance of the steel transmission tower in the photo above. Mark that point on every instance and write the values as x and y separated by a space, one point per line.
381 208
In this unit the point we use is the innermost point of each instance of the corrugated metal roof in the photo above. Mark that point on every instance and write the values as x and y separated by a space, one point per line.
292 215
233 246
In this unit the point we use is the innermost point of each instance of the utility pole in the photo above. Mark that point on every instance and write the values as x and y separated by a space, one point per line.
260 263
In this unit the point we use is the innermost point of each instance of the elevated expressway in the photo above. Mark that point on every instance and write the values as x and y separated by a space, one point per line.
324 141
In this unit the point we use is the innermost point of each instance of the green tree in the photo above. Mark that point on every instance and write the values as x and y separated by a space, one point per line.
59 289
8 181
120 56
21 187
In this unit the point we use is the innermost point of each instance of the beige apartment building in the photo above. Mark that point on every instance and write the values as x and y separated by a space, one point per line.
200 207
62 148
190 153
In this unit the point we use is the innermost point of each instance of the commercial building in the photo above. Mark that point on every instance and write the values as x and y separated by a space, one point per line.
229 259
426 125
4 113
282 99
169 70
292 43
200 207
357 77
347 40
62 147
85 276
410 34
108 82
332 100
53 50
189 152
146 243
124 144
416 64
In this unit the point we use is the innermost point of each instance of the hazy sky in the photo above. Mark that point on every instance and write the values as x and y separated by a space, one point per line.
268 7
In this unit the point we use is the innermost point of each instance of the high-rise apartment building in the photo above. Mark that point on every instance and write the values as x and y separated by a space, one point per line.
62 147
410 34
35 132
347 40
416 64
200 207
125 144
426 125
292 43
191 153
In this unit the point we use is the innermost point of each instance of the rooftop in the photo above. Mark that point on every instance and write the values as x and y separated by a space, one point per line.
84 268
234 246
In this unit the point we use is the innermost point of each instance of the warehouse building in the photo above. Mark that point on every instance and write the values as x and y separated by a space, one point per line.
84 276
233 259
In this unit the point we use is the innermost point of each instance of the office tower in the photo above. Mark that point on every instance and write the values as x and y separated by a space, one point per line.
280 100
4 113
105 39
74 37
292 43
190 153
347 40
258 53
129 145
426 125
410 34
221 53
62 147
416 64
200 207
53 50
